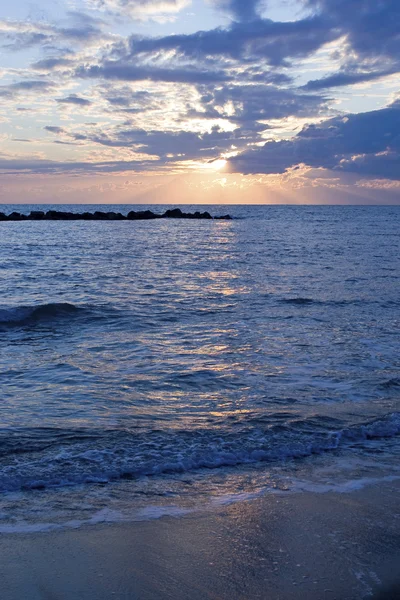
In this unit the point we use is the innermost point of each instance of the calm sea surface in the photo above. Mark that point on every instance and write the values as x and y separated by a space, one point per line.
155 367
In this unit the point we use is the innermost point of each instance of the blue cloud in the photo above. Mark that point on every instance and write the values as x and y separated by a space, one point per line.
125 71
371 30
74 99
261 39
239 9
366 143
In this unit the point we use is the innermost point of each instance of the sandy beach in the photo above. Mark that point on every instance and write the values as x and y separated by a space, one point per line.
299 546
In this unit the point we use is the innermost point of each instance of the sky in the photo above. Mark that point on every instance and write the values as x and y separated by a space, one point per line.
200 101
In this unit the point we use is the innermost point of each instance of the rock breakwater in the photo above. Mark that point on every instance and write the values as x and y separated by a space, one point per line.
56 215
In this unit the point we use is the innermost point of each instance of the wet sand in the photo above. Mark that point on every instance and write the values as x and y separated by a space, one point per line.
291 547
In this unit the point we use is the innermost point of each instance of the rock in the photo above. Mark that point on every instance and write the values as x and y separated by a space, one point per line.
56 215
15 216
174 213
145 214
36 215
53 215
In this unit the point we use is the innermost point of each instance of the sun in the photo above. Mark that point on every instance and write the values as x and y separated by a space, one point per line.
215 165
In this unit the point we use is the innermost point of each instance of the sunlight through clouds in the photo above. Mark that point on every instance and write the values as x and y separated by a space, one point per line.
116 86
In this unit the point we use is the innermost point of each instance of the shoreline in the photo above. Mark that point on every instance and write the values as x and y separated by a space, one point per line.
343 546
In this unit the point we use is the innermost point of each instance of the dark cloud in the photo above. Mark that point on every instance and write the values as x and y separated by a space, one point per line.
251 43
371 30
31 85
385 165
124 71
80 29
13 90
47 64
248 51
366 143
168 145
74 99
42 166
54 129
20 40
345 78
261 39
124 100
371 26
241 10
259 103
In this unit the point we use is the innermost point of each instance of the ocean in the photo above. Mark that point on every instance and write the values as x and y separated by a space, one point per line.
160 367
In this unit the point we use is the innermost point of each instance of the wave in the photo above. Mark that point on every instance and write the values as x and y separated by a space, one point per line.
39 312
42 459
299 301
305 301
393 383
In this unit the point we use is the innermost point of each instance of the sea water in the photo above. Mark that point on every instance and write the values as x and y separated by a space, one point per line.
156 367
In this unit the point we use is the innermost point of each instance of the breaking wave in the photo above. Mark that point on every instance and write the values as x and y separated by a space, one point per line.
41 458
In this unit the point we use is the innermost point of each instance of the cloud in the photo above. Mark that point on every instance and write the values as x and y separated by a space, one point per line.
24 86
239 9
74 99
79 29
170 146
371 26
54 129
251 43
384 164
125 98
344 78
235 115
124 71
249 103
261 39
251 52
43 166
13 90
171 100
370 29
141 9
366 143
48 64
